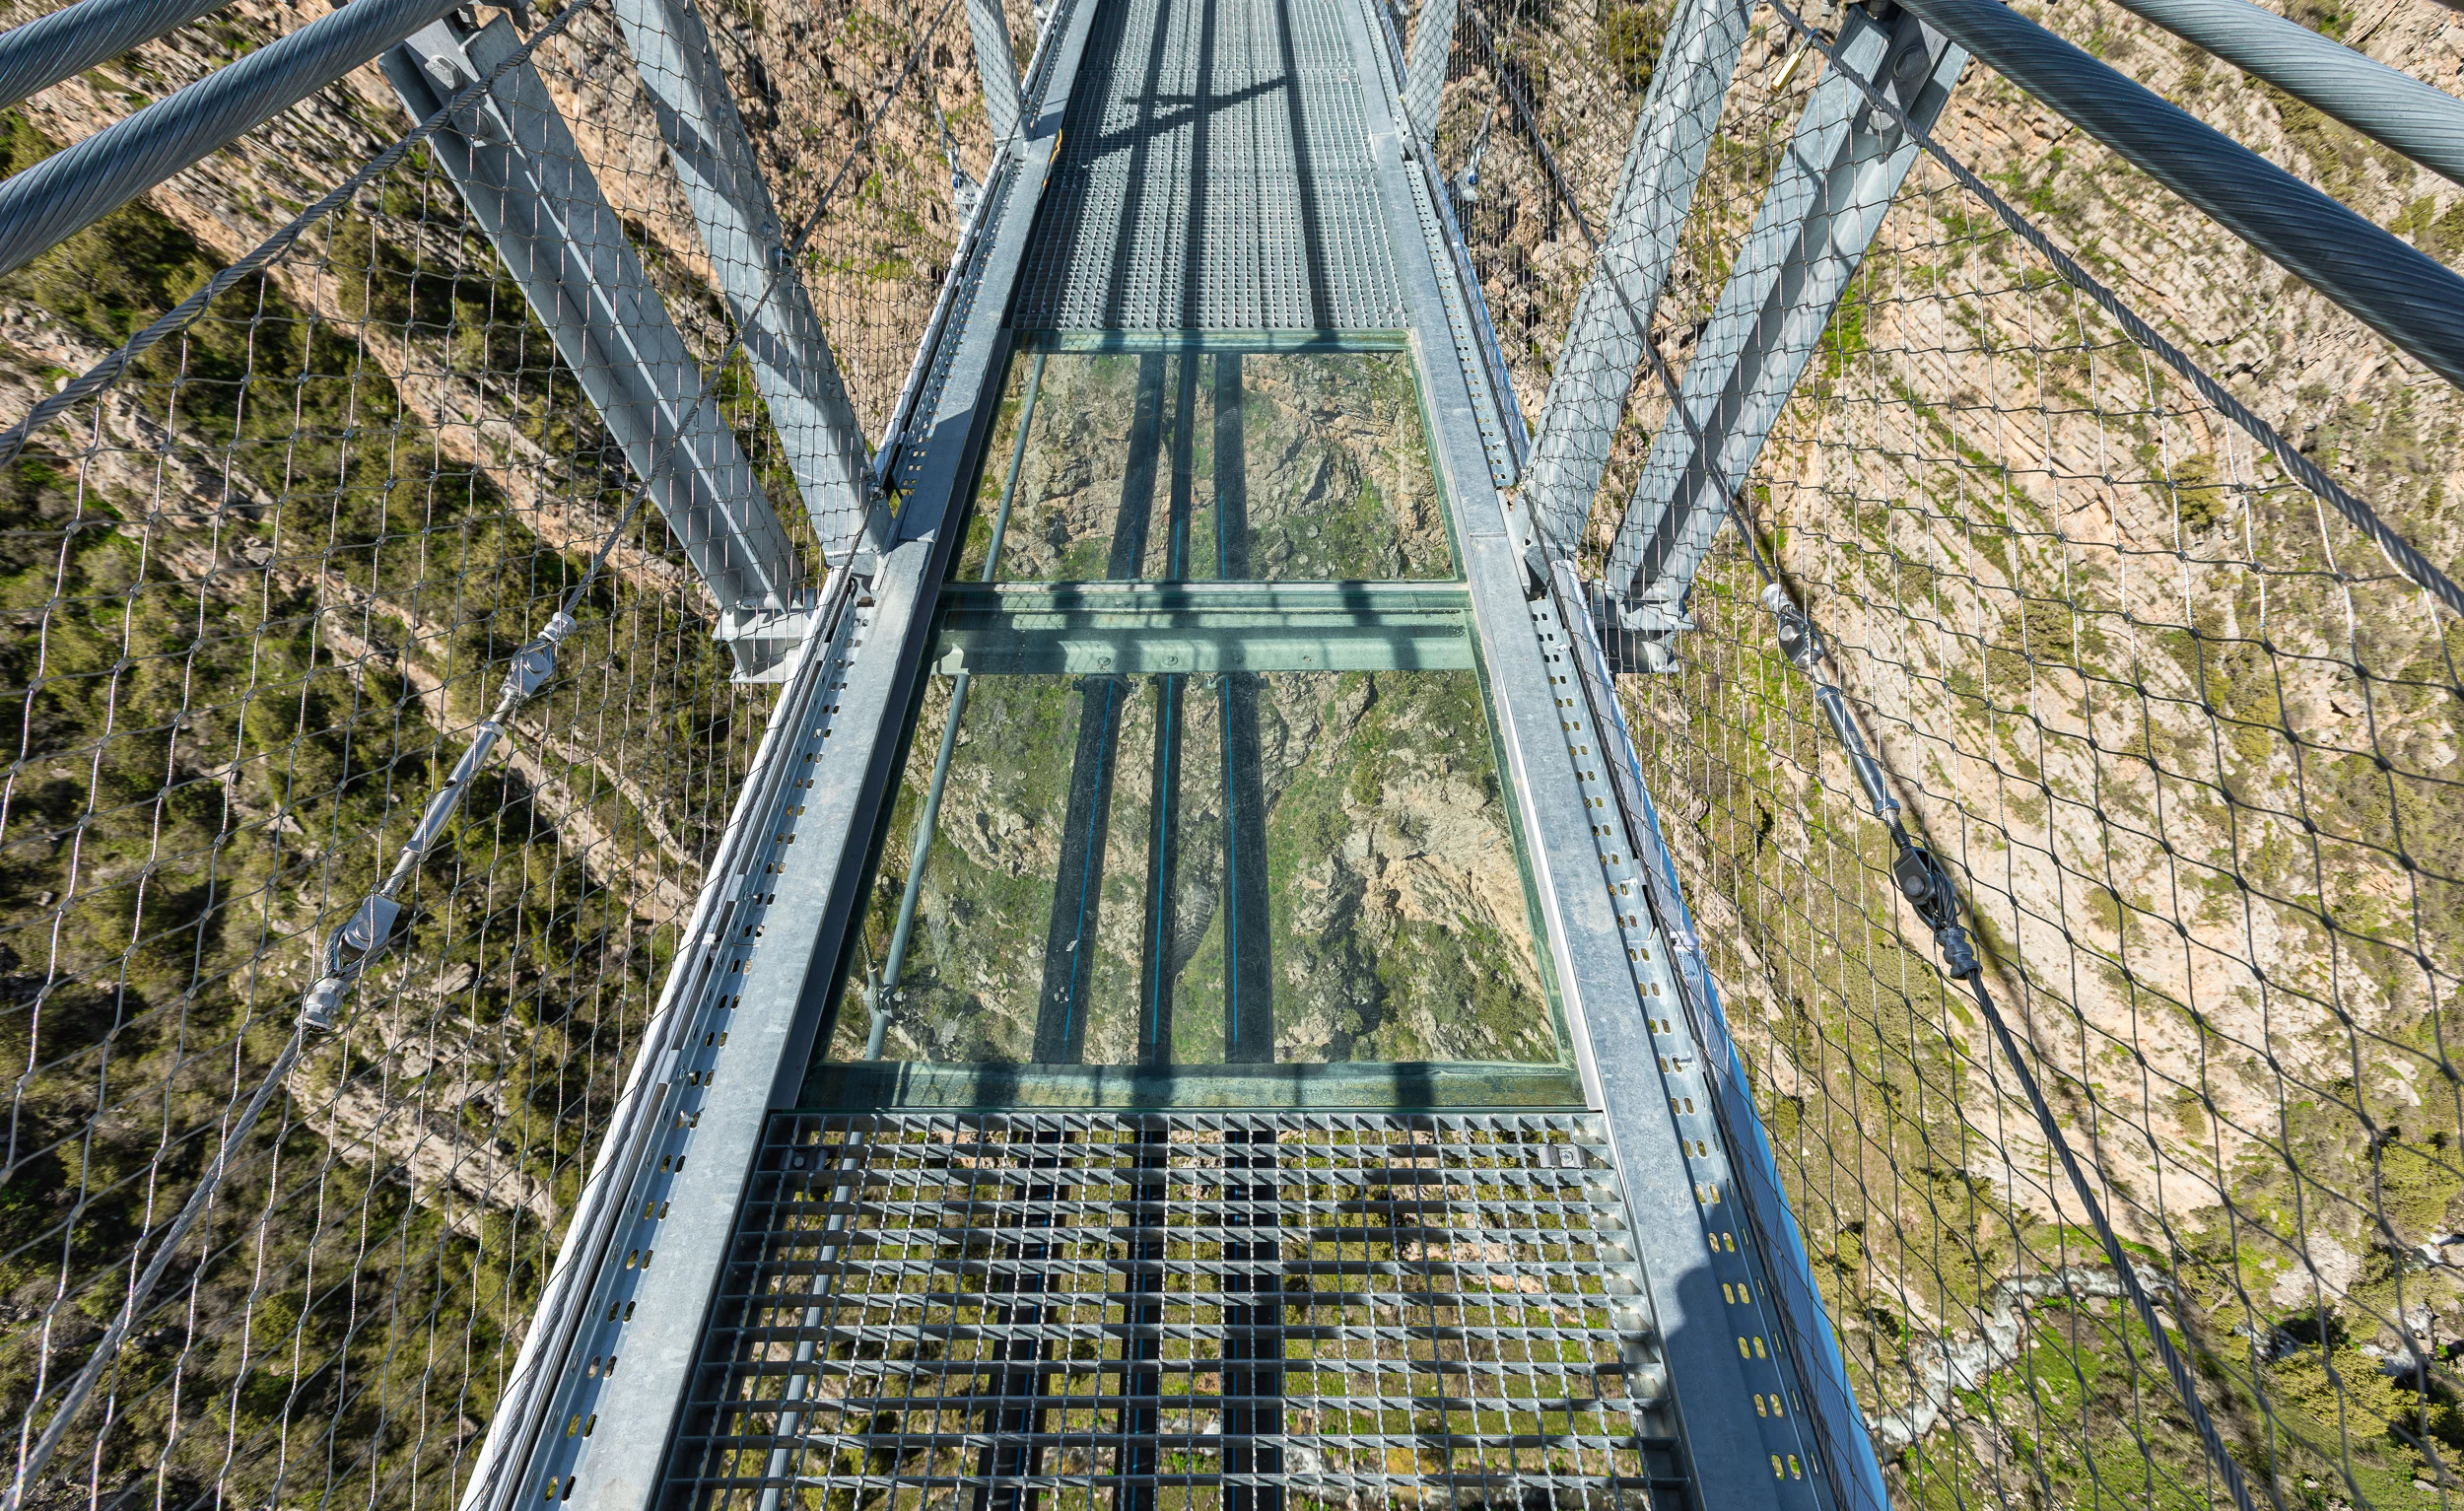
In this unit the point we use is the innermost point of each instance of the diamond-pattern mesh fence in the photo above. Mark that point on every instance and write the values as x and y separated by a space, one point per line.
261 591
2181 734
2180 731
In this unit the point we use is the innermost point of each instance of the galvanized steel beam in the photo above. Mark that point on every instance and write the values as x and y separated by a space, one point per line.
73 188
998 66
516 163
2397 291
1844 164
1830 1405
74 38
1424 82
799 378
1594 371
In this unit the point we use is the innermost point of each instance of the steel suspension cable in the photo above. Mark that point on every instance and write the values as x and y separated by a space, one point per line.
2400 552
358 942
1921 875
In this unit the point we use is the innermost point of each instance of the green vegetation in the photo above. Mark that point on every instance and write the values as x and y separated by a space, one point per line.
225 709
1629 41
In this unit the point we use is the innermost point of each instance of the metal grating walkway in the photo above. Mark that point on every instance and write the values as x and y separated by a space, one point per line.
1145 1309
1214 174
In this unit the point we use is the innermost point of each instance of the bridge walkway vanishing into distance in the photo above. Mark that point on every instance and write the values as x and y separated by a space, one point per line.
859 757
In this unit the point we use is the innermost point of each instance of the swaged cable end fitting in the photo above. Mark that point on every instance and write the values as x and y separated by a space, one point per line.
321 1007
1800 640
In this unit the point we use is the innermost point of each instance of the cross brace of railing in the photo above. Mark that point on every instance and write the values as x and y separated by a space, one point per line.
1834 183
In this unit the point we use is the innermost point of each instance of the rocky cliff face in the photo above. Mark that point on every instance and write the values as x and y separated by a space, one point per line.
2186 736
260 591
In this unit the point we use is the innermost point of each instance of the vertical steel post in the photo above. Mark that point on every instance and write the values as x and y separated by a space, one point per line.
516 163
722 180
1844 164
997 64
1424 82
1603 345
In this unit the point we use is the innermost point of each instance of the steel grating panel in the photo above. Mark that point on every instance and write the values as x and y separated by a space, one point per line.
1149 1309
1214 174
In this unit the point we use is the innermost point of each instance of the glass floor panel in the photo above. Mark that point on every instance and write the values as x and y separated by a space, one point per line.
1281 466
1210 869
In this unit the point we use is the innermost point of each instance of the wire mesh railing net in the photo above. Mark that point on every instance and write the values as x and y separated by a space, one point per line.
264 589
2181 731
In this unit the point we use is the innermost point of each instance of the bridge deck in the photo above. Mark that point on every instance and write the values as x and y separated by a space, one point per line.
1268 934
1214 174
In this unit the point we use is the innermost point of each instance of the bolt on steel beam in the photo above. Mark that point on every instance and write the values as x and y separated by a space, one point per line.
722 179
71 189
1587 392
525 180
76 38
2420 121
1845 164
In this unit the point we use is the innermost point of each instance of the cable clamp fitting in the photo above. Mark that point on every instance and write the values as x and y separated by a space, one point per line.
1927 885
1800 640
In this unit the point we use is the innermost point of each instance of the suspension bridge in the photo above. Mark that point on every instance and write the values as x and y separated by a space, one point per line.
1250 753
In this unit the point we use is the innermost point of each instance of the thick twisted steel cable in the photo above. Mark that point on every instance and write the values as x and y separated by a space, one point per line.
188 310
2421 120
342 971
2397 290
2400 552
73 188
74 38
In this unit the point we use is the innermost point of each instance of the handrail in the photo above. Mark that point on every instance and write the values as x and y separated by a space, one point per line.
2395 110
2394 289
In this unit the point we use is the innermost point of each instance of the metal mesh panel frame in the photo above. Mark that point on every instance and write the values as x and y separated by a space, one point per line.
1065 1304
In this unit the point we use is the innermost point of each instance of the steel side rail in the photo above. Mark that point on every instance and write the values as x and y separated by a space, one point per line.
1823 1370
1689 1318
499 1475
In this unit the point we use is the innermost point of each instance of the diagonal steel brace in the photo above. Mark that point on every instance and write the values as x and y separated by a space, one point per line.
1844 164
526 186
